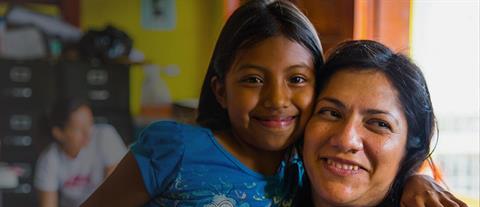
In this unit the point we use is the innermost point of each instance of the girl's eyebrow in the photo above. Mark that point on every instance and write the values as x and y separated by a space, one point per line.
265 69
249 66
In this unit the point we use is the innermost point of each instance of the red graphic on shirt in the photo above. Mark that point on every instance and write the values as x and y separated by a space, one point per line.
77 181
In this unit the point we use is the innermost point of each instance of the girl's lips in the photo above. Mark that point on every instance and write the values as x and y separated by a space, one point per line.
276 122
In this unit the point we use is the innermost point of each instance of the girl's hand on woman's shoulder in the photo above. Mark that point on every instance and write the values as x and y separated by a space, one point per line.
423 191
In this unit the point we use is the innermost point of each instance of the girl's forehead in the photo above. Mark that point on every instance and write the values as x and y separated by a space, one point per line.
279 47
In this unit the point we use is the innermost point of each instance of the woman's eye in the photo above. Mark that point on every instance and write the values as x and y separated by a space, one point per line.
254 80
330 114
297 79
380 124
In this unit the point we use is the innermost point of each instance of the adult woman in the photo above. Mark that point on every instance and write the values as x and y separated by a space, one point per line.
83 154
371 129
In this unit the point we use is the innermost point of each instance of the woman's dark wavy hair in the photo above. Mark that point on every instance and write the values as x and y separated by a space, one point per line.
62 110
413 95
250 24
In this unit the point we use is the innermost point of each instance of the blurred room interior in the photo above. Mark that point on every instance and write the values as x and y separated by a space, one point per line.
137 61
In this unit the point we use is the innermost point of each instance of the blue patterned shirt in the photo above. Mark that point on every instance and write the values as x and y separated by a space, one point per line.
184 165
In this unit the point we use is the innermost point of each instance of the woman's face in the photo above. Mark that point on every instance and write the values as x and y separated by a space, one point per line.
355 140
269 93
77 131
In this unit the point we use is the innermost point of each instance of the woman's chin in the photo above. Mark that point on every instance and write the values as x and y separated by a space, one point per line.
336 195
345 195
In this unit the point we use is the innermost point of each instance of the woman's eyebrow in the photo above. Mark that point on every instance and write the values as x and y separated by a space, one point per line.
378 111
333 101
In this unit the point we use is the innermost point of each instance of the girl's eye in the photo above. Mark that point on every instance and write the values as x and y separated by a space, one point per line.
379 124
330 114
252 80
297 79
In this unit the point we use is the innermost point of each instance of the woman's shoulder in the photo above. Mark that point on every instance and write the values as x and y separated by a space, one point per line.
52 150
103 127
51 155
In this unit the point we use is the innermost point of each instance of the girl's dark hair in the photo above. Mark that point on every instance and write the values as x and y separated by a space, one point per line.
62 109
253 22
413 95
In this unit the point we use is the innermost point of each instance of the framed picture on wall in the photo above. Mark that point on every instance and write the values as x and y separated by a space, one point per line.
158 14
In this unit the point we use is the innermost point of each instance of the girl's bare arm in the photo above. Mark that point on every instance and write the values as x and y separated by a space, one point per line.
124 187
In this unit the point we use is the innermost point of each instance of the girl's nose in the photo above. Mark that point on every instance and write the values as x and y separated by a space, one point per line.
276 96
348 138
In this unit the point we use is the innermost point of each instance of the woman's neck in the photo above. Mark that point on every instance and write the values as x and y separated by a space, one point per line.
71 153
261 161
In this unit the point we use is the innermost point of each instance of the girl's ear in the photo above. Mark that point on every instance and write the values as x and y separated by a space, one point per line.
218 88
57 134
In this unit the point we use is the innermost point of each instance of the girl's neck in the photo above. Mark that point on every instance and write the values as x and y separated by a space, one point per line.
258 160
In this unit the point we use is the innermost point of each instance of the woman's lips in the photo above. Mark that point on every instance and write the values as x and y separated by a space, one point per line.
276 122
342 167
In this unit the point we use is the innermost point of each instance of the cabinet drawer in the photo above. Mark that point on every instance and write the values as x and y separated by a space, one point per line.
105 86
26 82
121 121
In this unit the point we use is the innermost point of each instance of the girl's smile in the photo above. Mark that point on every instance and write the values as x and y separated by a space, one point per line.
275 122
268 93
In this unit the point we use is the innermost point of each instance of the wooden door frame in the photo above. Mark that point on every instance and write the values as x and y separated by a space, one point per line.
385 21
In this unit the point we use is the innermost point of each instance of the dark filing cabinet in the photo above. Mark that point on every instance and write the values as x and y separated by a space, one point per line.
26 91
105 86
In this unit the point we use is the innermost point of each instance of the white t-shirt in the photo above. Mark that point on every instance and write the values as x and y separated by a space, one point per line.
75 179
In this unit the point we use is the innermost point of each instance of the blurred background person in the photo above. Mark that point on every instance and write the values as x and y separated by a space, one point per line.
81 156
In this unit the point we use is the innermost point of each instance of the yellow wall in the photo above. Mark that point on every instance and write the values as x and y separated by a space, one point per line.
189 45
43 8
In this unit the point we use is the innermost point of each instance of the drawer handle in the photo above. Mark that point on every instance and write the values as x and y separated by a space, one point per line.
20 74
21 92
21 122
20 141
97 77
98 95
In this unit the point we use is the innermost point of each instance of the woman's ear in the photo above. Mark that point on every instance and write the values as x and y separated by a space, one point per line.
218 88
57 134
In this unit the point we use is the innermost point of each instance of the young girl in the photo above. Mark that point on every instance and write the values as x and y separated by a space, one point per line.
256 99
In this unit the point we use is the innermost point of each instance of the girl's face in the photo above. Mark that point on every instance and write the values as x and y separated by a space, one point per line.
77 131
355 140
268 93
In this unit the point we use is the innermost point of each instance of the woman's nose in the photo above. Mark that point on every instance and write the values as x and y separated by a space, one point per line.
87 132
348 138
